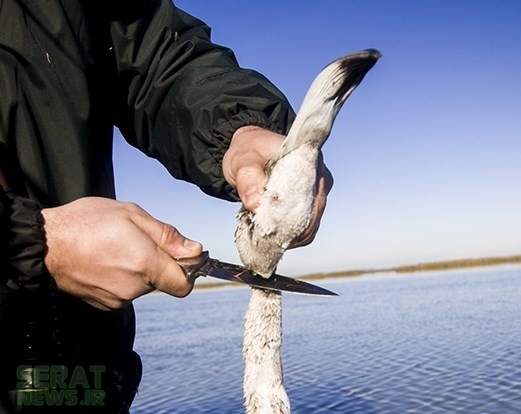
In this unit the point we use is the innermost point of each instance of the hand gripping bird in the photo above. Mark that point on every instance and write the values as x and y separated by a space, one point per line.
284 212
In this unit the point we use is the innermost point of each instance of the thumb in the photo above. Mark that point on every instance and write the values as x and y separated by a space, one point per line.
166 236
168 276
171 278
175 244
250 182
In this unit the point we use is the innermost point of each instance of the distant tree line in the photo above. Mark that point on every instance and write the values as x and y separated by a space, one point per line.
421 267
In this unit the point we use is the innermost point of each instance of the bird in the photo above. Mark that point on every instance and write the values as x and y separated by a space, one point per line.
285 210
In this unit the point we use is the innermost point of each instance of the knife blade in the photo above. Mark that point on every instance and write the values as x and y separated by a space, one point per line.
204 265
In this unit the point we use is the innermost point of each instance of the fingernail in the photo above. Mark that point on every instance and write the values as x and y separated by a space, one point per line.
191 245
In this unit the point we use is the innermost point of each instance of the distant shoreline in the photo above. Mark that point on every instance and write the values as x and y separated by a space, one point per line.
418 267
422 267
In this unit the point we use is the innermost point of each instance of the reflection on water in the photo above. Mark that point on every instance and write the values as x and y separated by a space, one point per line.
422 343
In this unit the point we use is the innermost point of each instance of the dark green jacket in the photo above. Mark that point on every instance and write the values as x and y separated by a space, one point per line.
70 70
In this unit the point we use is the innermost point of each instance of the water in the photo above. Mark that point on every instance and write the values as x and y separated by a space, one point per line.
441 342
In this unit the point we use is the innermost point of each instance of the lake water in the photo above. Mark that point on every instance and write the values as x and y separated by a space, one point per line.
440 342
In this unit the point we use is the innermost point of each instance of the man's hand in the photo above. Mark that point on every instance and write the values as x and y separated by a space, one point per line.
108 252
243 167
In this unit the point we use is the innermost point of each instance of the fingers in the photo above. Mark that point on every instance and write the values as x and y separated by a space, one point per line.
243 167
165 274
318 210
169 277
328 179
243 164
324 186
167 237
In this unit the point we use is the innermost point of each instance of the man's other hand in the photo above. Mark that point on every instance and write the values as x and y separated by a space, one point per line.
244 168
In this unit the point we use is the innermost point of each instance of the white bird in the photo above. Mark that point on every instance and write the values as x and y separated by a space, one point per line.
284 212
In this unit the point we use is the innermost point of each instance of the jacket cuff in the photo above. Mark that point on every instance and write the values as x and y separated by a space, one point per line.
23 237
226 128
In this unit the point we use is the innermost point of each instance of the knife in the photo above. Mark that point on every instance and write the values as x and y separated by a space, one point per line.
204 265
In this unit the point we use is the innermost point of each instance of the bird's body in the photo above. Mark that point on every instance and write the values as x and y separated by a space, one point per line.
286 204
284 212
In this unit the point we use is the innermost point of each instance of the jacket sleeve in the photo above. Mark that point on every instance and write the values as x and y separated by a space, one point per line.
186 95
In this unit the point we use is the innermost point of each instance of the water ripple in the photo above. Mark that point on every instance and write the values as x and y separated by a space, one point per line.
439 343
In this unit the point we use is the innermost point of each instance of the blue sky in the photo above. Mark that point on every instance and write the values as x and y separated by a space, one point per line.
426 153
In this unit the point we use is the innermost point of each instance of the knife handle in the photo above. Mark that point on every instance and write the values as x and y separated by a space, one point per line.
191 265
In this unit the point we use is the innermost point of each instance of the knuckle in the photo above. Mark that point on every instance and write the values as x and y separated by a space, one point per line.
167 279
183 286
168 233
131 207
185 289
